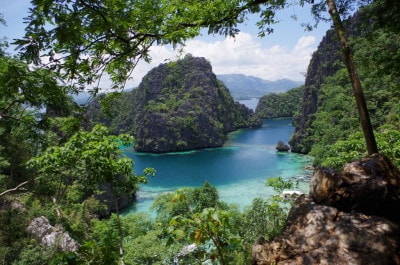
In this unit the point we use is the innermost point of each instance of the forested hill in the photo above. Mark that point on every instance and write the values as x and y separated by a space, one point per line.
327 125
276 105
247 87
178 106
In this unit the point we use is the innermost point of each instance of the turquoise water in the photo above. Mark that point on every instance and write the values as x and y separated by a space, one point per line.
238 170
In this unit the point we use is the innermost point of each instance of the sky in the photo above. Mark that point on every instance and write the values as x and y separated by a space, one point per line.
282 54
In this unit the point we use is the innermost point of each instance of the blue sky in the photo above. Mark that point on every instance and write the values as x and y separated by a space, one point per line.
283 54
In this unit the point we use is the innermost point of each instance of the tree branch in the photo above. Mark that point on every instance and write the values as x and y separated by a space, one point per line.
14 189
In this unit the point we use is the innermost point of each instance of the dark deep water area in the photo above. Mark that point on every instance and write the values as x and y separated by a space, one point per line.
239 169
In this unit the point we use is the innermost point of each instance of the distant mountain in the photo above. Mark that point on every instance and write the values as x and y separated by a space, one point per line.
247 87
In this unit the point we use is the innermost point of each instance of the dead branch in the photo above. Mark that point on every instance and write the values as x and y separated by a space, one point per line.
14 189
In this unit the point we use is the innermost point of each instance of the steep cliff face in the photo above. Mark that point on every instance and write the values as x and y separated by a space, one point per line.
322 64
181 106
325 62
178 106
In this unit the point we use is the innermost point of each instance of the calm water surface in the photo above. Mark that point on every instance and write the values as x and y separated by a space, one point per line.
238 170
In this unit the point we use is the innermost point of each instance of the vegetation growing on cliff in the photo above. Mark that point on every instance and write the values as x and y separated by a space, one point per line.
280 105
178 106
332 131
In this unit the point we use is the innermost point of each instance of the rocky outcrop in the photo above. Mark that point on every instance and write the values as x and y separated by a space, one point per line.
370 186
280 105
349 217
41 229
106 197
182 106
325 62
282 147
178 106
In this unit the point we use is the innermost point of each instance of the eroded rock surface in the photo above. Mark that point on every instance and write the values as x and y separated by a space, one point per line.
50 236
348 218
370 186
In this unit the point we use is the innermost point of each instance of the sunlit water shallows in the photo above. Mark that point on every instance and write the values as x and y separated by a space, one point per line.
238 170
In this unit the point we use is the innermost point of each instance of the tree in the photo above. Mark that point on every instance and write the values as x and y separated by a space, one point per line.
186 201
72 174
24 94
354 78
209 225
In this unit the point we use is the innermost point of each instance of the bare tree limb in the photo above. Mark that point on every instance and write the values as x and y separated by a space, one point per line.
14 189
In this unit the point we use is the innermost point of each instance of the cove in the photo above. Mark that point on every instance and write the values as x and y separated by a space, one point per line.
239 169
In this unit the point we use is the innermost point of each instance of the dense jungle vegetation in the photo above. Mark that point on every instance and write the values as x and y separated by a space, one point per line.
50 166
277 105
334 134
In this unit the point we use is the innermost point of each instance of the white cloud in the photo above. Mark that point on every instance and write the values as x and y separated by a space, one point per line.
242 55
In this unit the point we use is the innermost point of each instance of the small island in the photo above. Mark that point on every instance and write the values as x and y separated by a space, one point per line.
282 147
178 106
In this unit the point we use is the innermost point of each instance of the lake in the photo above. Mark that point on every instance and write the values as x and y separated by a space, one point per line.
239 169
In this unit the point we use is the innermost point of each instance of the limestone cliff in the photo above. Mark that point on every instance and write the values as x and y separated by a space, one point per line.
325 62
179 106
322 65
350 217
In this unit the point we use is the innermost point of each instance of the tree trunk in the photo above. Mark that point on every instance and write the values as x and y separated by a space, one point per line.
119 223
355 80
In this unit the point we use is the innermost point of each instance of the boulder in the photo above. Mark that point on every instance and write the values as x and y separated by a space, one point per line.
41 229
370 185
350 217
319 234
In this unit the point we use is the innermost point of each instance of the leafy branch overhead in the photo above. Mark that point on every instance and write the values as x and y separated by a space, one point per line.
83 40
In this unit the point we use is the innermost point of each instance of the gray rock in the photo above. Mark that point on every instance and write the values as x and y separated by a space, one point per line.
282 147
106 196
48 235
370 185
40 227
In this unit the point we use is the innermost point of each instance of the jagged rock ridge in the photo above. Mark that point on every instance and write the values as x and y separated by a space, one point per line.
182 106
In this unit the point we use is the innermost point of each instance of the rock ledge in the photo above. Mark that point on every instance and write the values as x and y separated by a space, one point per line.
348 218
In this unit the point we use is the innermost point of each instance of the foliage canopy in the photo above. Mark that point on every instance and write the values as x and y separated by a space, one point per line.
84 40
